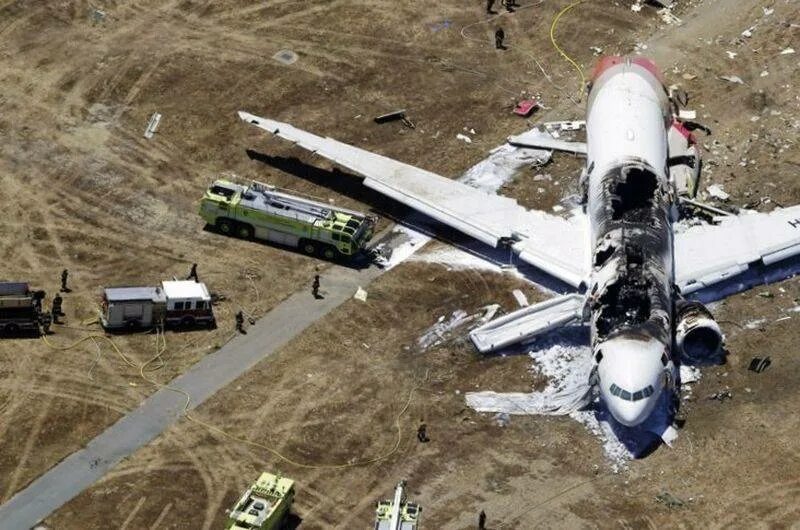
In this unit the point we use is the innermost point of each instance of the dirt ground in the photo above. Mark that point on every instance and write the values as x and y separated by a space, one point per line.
84 190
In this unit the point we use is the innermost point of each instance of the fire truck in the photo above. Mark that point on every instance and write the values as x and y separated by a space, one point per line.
264 506
21 309
260 211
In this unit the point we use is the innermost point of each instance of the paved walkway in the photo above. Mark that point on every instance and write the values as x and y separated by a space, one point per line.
139 427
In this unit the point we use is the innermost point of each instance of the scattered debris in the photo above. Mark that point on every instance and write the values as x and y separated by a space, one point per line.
766 294
152 125
668 17
361 294
716 191
687 114
436 334
286 57
748 32
464 137
731 55
669 500
787 51
722 395
596 50
758 365
732 79
520 297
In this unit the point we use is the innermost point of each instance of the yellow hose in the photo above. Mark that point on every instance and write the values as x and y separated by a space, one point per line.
563 53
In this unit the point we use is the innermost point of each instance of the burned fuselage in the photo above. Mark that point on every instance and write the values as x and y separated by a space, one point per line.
630 203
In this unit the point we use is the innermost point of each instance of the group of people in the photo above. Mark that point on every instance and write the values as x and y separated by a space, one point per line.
499 34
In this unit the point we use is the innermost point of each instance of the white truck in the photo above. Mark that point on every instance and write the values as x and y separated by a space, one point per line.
172 304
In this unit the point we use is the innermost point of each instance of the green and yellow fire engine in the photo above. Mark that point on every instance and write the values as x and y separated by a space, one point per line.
260 211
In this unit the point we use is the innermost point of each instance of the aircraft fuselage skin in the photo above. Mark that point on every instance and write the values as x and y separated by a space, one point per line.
630 204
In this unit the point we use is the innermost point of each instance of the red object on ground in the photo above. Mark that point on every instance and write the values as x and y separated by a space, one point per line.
525 107
685 132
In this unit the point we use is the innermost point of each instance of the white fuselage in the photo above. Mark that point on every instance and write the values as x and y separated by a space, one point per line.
629 203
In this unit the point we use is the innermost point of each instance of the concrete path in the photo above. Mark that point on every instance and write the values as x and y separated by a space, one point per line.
139 427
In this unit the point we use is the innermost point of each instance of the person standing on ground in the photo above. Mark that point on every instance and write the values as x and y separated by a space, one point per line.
64 276
499 37
240 322
422 433
56 309
489 6
482 520
193 273
315 286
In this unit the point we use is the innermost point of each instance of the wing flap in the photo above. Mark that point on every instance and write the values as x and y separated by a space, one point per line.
708 254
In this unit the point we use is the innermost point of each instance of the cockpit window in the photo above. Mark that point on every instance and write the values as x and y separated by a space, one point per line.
631 396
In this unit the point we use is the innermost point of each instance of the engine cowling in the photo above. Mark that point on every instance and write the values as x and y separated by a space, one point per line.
697 335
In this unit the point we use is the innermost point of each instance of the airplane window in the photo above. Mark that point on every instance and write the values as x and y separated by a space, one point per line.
615 390
624 394
648 391
637 395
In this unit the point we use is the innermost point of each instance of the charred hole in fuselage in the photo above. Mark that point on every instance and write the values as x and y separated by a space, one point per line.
633 198
602 255
626 303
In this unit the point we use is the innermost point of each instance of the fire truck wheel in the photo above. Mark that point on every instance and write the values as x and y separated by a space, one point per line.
225 226
329 252
245 231
308 247
187 322
11 329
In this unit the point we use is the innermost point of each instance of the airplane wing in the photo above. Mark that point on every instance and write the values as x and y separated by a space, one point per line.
556 245
708 254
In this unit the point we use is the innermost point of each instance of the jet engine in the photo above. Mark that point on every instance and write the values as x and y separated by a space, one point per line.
697 334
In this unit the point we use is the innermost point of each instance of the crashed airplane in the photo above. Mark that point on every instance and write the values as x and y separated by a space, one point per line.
632 265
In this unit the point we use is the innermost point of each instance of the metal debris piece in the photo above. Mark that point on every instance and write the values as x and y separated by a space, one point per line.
390 116
732 79
525 107
687 114
361 294
98 15
716 191
758 365
286 57
670 500
464 137
787 51
152 125
520 297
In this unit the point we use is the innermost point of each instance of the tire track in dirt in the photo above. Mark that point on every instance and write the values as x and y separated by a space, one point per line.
33 436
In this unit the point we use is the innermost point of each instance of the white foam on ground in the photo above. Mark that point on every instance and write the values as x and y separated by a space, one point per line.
456 259
567 368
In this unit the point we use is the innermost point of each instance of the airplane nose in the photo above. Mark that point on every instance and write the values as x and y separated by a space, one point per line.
627 413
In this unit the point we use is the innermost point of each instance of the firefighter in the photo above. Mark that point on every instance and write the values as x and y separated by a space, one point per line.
315 286
240 322
45 320
482 520
499 37
56 310
422 433
193 273
489 6
64 276
509 5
